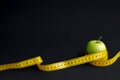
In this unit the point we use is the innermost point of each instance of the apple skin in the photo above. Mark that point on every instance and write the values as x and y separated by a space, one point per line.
95 46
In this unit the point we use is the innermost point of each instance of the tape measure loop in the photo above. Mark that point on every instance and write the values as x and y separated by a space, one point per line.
96 59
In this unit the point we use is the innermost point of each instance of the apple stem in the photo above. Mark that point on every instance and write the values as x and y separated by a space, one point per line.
99 38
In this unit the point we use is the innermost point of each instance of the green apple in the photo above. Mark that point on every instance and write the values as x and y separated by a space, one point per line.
95 46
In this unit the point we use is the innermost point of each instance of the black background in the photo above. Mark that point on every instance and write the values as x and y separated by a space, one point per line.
57 30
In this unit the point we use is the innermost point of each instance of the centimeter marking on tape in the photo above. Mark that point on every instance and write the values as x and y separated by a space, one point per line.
96 59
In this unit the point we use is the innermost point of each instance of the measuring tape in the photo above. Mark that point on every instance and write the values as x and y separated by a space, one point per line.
96 59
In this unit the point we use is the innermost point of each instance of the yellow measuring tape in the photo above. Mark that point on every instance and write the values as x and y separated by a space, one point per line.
96 59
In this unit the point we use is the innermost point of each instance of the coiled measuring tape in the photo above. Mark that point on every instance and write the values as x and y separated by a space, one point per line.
96 59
